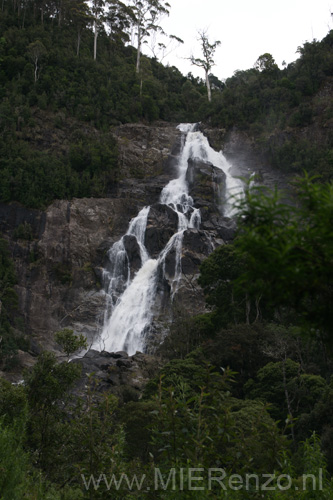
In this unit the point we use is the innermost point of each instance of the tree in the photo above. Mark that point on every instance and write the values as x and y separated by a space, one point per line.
288 252
36 51
79 13
161 50
97 11
207 62
146 16
8 302
70 342
266 62
118 19
13 461
47 389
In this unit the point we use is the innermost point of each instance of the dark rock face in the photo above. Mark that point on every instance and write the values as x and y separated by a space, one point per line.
123 375
133 252
60 265
246 158
161 225
206 186
223 227
196 246
148 160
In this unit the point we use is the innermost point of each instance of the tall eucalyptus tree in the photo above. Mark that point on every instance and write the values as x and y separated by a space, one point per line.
146 19
207 61
80 17
98 16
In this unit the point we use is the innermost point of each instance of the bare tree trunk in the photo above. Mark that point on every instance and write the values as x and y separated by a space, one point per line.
36 70
232 303
59 14
209 92
23 19
95 39
287 396
247 309
139 51
78 43
257 308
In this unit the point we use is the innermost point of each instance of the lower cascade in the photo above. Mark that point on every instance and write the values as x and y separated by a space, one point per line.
131 300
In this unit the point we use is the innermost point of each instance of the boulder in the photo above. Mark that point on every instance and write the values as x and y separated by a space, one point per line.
196 246
224 227
123 375
162 223
133 252
206 186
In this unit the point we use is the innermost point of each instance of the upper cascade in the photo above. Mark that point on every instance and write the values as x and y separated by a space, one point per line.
131 303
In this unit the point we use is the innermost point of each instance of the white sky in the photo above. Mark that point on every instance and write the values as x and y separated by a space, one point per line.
246 29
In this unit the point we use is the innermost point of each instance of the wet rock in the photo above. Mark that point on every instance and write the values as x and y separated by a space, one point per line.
247 159
223 227
133 252
162 223
125 363
170 264
196 246
119 354
198 241
118 373
148 158
216 136
206 186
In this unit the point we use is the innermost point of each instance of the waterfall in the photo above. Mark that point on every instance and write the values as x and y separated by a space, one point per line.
130 302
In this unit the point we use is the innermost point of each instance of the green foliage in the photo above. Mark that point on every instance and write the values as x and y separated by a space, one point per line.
266 63
217 274
62 272
279 266
57 106
12 401
194 370
48 74
288 251
23 232
186 333
49 381
47 386
10 340
18 479
13 462
209 427
242 348
137 418
69 342
35 178
272 105
276 380
92 441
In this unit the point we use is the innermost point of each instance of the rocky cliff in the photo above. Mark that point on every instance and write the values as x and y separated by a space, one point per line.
60 255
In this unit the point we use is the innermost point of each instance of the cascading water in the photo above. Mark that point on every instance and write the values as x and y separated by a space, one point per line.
130 303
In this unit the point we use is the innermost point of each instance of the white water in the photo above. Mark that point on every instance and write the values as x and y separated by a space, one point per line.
130 303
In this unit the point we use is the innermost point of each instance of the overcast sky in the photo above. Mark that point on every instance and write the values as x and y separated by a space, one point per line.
246 29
